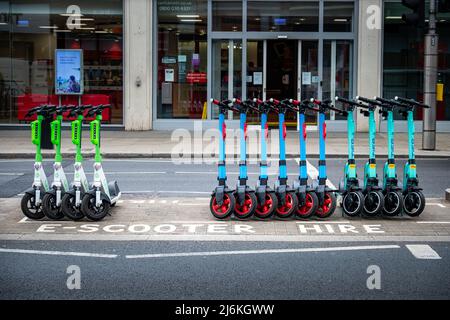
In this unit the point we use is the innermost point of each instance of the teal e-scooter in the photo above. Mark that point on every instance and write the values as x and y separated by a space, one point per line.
97 201
413 197
393 198
373 195
71 201
31 203
352 196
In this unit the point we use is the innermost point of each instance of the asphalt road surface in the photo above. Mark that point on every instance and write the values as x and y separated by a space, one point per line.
162 176
224 270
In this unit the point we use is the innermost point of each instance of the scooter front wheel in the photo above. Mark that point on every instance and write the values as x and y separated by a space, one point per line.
69 208
29 208
266 210
287 209
414 203
353 203
373 203
247 209
309 208
393 203
328 206
224 210
92 212
49 207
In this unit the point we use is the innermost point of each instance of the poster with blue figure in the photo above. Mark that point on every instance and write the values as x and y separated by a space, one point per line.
69 72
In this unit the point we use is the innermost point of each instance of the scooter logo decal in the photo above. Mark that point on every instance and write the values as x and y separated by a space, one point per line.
324 130
224 131
373 166
284 131
413 166
392 166
245 131
304 131
266 130
352 166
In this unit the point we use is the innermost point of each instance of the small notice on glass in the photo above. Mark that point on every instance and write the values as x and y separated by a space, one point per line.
257 78
169 75
306 78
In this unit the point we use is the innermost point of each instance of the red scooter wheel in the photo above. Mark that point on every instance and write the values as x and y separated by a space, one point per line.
288 208
309 208
247 209
265 210
328 207
224 210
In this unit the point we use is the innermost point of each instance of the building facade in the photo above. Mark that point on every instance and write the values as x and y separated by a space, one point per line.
159 62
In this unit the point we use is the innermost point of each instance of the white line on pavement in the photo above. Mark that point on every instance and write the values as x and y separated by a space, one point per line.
422 251
436 204
11 174
244 252
60 253
433 222
323 222
314 173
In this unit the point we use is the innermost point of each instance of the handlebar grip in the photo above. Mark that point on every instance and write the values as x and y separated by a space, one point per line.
257 101
214 101
294 102
237 101
315 101
390 102
412 102
347 101
274 101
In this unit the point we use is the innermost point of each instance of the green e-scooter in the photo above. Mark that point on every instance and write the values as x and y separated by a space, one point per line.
31 203
71 201
373 196
413 197
98 200
51 202
393 198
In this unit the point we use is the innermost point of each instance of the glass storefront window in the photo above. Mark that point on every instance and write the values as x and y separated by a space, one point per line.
283 16
227 15
182 59
31 31
338 16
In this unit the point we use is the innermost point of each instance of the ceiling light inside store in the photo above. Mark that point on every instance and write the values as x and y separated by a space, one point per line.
71 15
3 23
101 31
86 19
86 28
340 20
62 30
393 18
188 16
191 20
48 27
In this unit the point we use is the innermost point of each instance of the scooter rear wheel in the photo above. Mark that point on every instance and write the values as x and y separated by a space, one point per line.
414 203
49 207
224 210
328 207
309 208
393 203
373 203
353 203
69 208
91 211
289 207
247 209
29 208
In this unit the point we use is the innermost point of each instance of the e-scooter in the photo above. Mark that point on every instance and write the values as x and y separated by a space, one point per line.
326 196
413 197
222 199
373 195
51 202
393 198
267 199
98 200
246 201
31 203
307 198
287 199
353 198
71 201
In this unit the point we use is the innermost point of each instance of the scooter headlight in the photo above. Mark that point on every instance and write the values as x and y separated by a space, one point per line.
97 166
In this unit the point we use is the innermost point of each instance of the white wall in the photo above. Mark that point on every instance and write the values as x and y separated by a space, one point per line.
138 49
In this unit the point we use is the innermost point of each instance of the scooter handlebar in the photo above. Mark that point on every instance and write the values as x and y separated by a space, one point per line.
390 102
349 102
412 102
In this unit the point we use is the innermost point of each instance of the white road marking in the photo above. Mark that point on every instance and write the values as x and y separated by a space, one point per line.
11 174
197 222
323 222
433 222
245 252
436 204
59 253
192 204
313 173
24 220
423 251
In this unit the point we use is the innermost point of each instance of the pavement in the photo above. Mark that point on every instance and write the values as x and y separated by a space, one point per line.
154 144
161 242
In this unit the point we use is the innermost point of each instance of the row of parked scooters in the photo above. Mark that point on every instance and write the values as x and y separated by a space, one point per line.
305 200
79 199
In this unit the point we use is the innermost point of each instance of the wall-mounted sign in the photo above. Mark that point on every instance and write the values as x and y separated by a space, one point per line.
169 75
69 72
169 60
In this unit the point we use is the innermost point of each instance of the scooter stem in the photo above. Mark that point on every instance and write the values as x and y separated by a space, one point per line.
263 166
243 147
